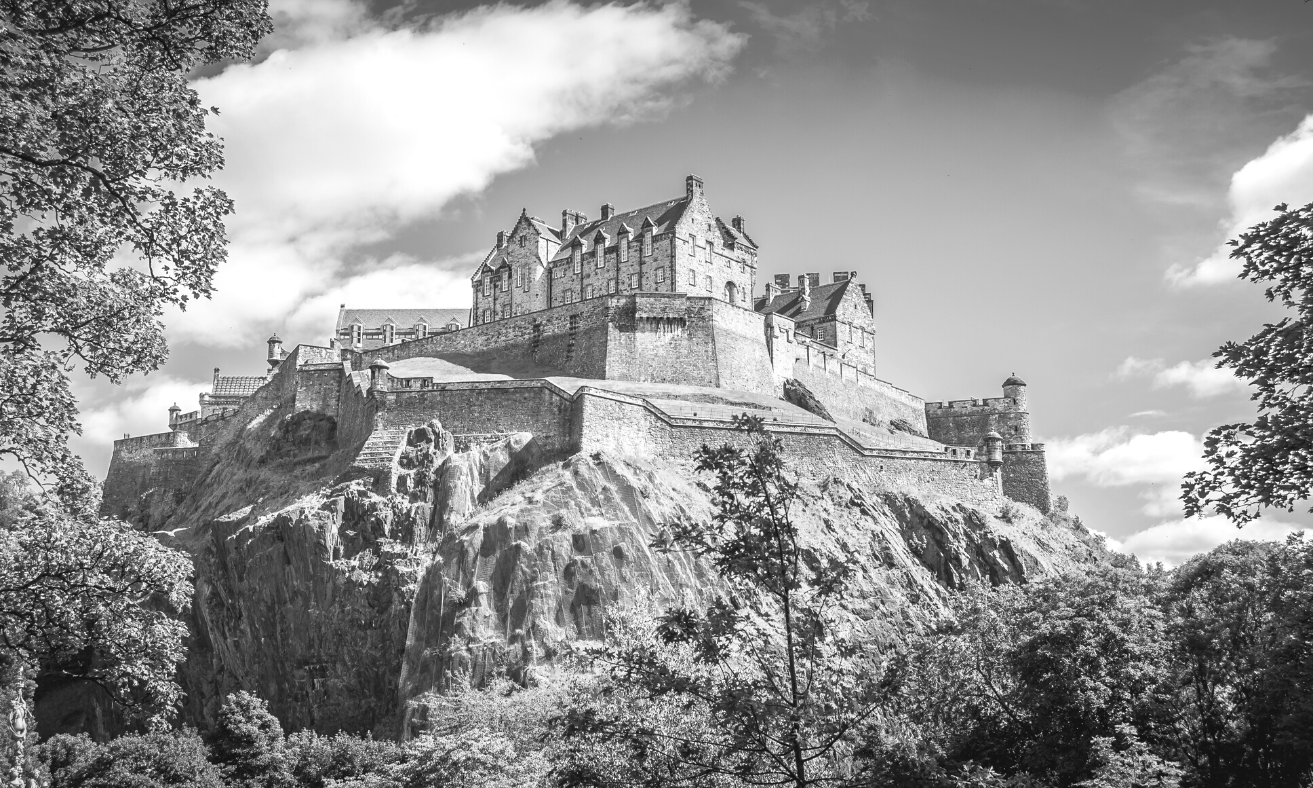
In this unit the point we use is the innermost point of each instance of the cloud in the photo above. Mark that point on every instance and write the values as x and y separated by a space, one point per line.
1202 378
1118 457
1176 541
807 28
352 131
1282 174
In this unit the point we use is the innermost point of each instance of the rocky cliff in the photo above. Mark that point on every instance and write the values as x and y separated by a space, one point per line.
340 595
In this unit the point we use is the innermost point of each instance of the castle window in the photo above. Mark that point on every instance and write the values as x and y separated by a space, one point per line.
421 330
560 272
692 277
357 334
505 311
706 283
623 249
453 326
569 296
506 281
521 241
577 257
610 287
633 281
487 285
486 316
647 243
601 257
588 291
387 333
711 250
519 279
661 274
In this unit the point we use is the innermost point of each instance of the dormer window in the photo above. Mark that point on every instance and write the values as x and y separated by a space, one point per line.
388 331
421 330
357 333
453 326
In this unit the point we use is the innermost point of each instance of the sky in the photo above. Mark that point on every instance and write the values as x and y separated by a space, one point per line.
1039 187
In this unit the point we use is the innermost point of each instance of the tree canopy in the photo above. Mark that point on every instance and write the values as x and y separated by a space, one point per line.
1265 464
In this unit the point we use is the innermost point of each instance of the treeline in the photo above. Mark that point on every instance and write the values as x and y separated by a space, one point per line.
1118 678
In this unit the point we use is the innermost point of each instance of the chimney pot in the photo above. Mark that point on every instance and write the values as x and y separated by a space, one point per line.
782 281
501 239
814 279
737 223
608 210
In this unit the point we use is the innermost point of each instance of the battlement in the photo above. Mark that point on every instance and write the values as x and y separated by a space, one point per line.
981 405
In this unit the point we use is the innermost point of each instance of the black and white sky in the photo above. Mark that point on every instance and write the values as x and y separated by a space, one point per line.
1031 186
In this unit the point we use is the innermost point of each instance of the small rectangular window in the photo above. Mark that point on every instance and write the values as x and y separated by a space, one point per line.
577 257
692 277
601 257
706 283
487 285
588 291
661 274
610 286
569 296
647 244
506 282
623 250
633 281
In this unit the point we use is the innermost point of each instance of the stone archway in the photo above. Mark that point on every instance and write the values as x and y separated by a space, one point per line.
731 293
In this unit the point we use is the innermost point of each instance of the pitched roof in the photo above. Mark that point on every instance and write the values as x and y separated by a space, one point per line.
237 385
663 216
742 239
824 301
402 318
544 228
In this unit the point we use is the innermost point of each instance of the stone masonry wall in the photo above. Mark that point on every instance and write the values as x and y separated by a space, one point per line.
1026 476
606 421
966 422
497 407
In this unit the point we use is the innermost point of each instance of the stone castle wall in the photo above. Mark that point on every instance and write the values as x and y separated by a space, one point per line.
1026 475
967 422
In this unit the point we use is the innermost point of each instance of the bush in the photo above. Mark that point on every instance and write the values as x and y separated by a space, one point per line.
248 744
154 760
318 761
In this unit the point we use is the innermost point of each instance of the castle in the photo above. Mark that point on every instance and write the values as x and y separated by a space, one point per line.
639 332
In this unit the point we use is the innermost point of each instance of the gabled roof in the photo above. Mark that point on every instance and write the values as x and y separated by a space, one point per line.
742 239
236 386
662 216
403 318
825 301
544 228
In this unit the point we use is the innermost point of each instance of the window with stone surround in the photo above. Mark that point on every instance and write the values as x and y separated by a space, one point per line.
610 287
588 291
692 277
601 257
633 281
647 244
506 281
505 311
623 250
706 283
487 285
357 333
569 296
388 333
521 241
577 257
421 330
661 274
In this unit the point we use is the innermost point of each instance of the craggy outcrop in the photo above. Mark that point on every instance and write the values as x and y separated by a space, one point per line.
340 593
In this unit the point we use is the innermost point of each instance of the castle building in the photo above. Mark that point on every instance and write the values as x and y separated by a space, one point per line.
661 299
366 329
673 246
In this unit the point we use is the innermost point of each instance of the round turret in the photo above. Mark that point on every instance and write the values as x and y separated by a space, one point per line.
378 375
174 410
1014 388
275 352
994 448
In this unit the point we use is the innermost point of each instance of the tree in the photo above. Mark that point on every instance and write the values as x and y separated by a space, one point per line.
1265 464
93 601
768 662
162 759
248 744
99 130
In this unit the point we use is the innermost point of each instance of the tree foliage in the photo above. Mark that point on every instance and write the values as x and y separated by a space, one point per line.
163 759
1265 463
92 600
99 128
769 662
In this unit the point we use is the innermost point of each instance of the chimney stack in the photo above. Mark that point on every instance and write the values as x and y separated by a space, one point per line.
737 224
840 276
814 279
608 210
501 239
693 187
216 377
782 282
804 285
569 220
771 291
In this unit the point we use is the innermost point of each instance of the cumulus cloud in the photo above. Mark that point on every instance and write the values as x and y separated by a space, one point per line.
1282 174
1119 456
1176 541
351 131
1201 378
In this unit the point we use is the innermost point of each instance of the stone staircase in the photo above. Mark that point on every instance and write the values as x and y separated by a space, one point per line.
381 449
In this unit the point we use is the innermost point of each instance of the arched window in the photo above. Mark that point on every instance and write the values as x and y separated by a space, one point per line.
731 293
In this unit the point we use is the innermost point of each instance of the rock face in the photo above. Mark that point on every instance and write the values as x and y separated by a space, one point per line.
340 595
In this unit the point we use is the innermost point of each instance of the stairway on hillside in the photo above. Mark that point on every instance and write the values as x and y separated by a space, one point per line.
381 449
